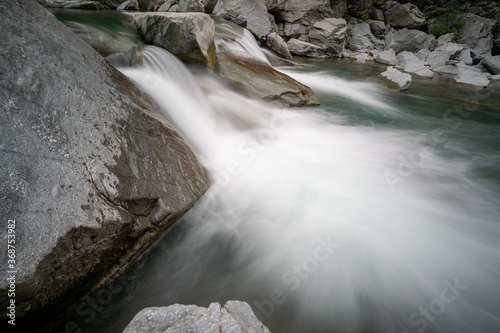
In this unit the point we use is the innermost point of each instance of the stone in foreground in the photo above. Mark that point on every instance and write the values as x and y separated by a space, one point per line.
189 36
397 79
234 317
256 79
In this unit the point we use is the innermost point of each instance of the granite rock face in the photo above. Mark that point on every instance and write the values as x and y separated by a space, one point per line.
234 317
89 176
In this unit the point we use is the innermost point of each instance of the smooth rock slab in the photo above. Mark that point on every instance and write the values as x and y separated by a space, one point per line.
411 64
234 317
387 57
397 79
437 59
471 77
259 80
189 36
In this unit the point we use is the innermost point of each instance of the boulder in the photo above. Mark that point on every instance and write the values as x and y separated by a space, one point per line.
302 48
437 59
278 45
404 16
495 77
422 54
257 79
209 5
360 8
361 38
165 7
377 27
387 57
411 64
129 5
305 12
295 30
189 36
492 64
409 40
234 316
478 34
397 79
191 6
92 5
331 35
471 77
447 69
452 48
465 57
88 174
444 39
254 11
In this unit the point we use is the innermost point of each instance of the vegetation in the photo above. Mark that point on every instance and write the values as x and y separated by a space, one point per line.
449 21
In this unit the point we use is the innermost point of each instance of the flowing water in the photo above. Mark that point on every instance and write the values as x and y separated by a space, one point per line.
377 211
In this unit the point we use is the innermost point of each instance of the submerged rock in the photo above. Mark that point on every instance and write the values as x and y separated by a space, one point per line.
397 79
189 36
234 316
88 174
257 79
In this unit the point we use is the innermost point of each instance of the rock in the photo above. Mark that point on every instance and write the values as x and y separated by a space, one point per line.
465 57
447 69
234 316
408 40
166 6
189 36
293 30
437 59
191 6
305 12
339 8
452 48
478 34
360 8
444 39
209 5
302 48
377 28
377 14
495 77
471 77
404 16
93 5
422 54
89 175
411 64
129 5
256 79
240 20
362 39
492 64
278 45
331 35
395 78
254 11
387 57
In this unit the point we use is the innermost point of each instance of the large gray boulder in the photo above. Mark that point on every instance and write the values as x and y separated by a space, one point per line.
361 39
492 64
257 79
189 36
437 58
478 34
396 79
331 35
409 40
234 317
302 48
129 5
412 64
254 11
404 16
87 173
304 12
191 6
453 48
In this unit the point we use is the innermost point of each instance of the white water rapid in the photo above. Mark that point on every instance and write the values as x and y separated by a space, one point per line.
322 226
